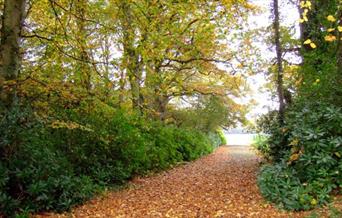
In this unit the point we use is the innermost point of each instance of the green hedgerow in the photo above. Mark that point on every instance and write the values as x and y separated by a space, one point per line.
310 167
53 165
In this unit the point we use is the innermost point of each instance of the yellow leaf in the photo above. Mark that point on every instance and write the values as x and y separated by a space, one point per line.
331 18
308 41
219 213
308 4
294 142
305 4
339 28
337 154
313 45
331 30
330 38
293 157
313 201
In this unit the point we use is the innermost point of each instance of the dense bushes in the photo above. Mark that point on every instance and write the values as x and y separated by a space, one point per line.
54 164
285 187
261 145
310 166
274 146
223 140
217 138
281 185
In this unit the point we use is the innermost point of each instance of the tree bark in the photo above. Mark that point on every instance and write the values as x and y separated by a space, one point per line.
122 84
339 52
10 58
339 61
280 70
132 60
84 69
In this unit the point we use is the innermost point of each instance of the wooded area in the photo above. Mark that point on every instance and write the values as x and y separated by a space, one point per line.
96 92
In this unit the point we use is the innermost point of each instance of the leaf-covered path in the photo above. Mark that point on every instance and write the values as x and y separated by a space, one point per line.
222 184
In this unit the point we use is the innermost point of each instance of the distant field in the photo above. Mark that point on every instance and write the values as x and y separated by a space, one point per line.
239 139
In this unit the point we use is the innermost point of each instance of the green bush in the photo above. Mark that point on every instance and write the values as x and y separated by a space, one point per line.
192 144
223 140
37 175
281 185
312 157
216 138
275 144
261 145
55 164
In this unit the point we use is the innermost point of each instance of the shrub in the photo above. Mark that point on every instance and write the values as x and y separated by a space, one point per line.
55 164
312 157
281 185
37 176
223 140
261 145
217 138
193 144
277 136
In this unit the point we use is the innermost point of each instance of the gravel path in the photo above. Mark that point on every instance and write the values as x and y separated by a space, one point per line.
222 184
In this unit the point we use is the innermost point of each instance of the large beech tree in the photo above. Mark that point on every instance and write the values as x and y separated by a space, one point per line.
10 57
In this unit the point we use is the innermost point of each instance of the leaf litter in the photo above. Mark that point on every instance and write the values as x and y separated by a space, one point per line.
222 184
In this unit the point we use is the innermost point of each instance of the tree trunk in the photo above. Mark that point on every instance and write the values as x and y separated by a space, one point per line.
122 84
162 102
84 68
339 63
280 70
131 58
10 57
339 53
